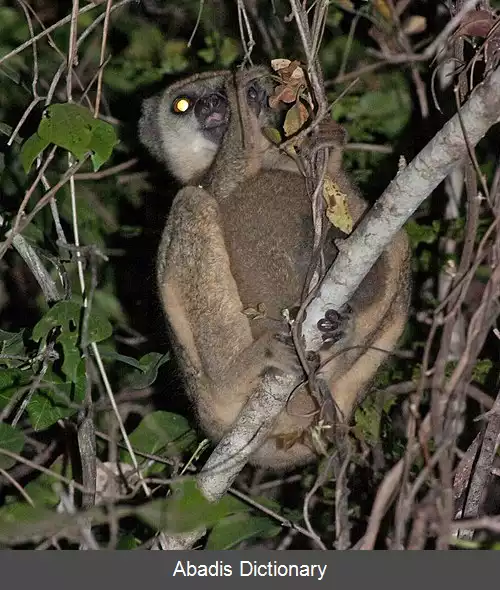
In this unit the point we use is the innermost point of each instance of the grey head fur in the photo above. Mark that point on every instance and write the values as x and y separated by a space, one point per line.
179 140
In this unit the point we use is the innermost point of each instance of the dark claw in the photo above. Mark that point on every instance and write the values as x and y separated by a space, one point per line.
333 316
332 338
330 322
333 322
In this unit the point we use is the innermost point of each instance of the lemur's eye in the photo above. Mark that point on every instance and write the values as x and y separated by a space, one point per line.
252 93
182 104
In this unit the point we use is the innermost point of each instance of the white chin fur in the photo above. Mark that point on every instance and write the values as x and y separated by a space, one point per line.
191 159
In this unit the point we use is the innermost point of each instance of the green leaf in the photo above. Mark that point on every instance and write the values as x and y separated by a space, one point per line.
66 315
207 55
21 523
69 126
173 56
7 130
367 421
11 380
12 343
41 490
420 233
56 399
388 107
481 370
229 51
295 118
384 111
128 542
31 149
102 142
236 528
149 365
144 43
272 134
186 509
75 129
18 518
99 327
225 50
161 433
111 355
11 439
6 337
109 304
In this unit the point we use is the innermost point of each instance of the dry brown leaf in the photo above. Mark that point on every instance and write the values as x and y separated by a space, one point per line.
280 64
477 23
286 94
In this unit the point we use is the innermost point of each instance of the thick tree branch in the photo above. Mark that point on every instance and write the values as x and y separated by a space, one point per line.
401 198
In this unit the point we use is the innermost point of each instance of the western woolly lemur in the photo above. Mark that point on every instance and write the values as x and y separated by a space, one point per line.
240 234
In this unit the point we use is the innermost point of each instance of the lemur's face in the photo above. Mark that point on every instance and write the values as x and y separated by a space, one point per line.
192 117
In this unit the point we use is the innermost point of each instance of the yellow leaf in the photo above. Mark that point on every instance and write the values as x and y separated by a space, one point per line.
295 118
337 210
383 8
346 5
415 24
272 134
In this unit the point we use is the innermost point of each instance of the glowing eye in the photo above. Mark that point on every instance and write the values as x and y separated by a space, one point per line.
181 105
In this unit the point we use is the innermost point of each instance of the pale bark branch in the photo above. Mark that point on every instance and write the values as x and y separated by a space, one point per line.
400 200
